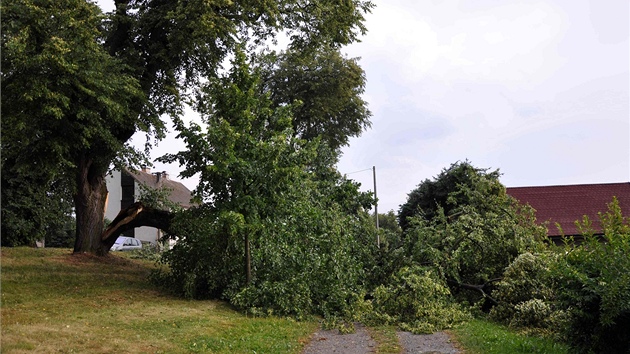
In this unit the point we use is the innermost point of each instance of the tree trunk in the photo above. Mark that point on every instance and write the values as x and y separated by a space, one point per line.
89 202
248 261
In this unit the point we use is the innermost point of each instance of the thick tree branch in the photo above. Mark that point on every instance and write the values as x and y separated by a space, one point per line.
137 215
479 288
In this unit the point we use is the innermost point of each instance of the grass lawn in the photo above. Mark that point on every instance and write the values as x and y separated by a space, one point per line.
54 302
484 337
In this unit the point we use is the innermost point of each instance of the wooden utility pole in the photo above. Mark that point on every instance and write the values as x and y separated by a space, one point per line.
378 237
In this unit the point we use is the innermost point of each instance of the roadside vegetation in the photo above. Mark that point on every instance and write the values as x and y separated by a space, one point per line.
53 301
479 262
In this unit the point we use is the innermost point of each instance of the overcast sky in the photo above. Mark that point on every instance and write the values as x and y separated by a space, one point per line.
536 89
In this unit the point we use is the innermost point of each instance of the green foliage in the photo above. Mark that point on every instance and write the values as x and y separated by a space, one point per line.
593 285
581 295
266 191
34 208
67 106
158 198
77 85
309 261
328 86
389 221
62 235
417 300
149 251
440 193
475 233
63 95
526 295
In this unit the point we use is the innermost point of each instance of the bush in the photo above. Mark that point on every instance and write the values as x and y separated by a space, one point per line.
416 300
305 259
593 284
525 294
469 228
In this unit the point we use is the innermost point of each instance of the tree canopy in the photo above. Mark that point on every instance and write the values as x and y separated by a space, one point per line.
441 192
76 85
328 87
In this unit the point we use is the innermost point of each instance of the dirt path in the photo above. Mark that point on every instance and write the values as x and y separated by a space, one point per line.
360 342
434 343
330 341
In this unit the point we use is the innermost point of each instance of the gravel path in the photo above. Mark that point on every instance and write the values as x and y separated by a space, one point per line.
360 342
324 342
435 343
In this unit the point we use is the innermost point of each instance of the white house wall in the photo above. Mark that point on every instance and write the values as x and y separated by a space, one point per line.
112 207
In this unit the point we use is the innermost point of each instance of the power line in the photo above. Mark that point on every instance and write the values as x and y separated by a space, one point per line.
367 169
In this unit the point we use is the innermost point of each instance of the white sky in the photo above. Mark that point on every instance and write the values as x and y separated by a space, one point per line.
537 89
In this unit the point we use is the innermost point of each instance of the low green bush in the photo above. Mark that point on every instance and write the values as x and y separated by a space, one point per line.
526 298
416 300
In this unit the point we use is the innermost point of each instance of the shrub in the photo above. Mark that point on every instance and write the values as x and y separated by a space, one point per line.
593 284
470 229
525 294
417 300
305 259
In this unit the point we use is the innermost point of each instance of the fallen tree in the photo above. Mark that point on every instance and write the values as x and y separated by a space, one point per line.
469 229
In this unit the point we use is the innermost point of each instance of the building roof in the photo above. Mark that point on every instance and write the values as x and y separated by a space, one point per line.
566 204
179 193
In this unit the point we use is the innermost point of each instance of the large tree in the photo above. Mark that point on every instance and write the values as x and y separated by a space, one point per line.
248 154
277 228
77 85
68 106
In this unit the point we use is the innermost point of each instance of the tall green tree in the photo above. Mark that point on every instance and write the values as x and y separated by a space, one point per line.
280 230
68 106
248 154
77 85
329 87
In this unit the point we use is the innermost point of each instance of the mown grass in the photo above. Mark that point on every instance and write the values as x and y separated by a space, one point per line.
484 337
54 302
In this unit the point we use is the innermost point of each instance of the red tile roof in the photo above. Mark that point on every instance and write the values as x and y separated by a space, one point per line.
566 204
